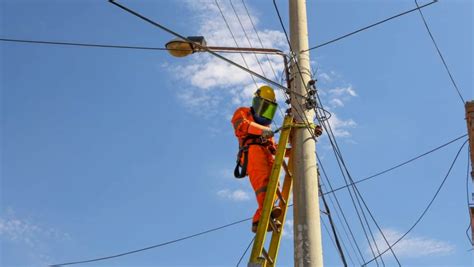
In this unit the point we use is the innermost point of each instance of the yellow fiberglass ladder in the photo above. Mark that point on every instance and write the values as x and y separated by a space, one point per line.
260 256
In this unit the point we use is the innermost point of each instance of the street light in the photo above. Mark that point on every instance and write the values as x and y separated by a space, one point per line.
179 47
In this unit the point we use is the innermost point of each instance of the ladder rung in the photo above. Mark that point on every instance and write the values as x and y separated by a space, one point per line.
285 167
274 227
267 257
280 197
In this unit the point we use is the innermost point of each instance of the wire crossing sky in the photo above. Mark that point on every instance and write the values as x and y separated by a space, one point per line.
110 149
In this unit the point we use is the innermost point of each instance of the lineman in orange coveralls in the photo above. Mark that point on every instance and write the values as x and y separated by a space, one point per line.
256 145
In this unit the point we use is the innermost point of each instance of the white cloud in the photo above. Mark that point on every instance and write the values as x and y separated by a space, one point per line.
234 195
214 80
24 231
341 127
343 91
413 246
288 229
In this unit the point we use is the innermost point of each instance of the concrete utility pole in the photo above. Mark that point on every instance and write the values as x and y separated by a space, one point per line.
307 225
470 130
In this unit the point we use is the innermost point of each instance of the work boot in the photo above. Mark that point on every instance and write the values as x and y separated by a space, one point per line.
276 212
254 226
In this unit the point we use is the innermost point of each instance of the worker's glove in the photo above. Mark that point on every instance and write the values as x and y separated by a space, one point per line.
267 133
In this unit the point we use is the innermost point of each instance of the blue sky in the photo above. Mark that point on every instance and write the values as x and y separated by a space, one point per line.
109 150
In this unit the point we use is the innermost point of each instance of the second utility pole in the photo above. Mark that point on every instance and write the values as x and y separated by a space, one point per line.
307 225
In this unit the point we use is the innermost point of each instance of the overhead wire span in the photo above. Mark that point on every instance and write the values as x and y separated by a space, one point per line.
323 123
369 26
258 37
398 165
235 41
333 228
151 247
426 209
246 36
245 252
203 48
197 234
440 55
83 44
116 46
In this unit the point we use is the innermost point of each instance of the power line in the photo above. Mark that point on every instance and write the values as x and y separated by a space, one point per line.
369 26
151 247
233 223
83 44
258 37
245 252
398 165
427 207
440 55
112 46
235 41
333 228
204 48
246 36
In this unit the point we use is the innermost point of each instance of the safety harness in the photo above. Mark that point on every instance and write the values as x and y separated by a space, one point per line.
240 170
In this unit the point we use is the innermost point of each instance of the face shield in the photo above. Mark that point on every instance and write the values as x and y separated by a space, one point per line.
264 108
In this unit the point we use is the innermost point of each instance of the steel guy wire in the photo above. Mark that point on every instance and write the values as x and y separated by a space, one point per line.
235 41
439 53
246 36
369 26
398 165
427 207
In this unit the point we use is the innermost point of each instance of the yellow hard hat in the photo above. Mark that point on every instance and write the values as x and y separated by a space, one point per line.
266 92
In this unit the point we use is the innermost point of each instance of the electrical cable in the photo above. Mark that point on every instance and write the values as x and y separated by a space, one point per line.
320 164
355 188
84 44
153 246
369 26
245 252
258 37
246 36
440 55
331 222
235 41
427 207
204 48
341 163
398 165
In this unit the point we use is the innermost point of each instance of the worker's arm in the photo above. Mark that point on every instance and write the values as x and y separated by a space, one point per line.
245 126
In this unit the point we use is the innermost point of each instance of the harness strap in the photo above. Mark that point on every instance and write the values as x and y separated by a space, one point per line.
261 190
240 170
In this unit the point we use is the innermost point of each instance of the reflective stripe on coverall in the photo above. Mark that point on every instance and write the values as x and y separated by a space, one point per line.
260 159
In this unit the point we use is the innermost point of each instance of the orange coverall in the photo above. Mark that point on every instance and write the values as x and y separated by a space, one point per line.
260 159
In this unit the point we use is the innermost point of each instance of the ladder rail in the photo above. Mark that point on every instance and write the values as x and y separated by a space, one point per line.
276 236
258 246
